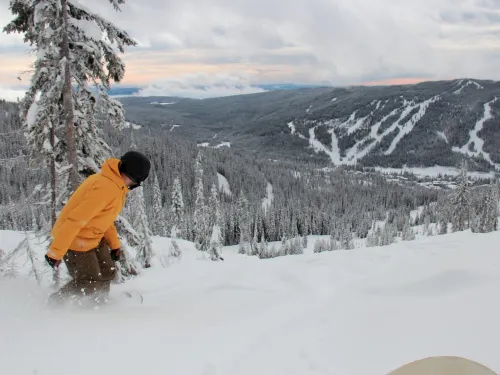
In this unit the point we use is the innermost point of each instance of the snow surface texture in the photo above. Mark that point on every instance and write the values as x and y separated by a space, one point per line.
358 312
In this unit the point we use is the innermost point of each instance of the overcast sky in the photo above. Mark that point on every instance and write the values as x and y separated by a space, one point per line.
220 43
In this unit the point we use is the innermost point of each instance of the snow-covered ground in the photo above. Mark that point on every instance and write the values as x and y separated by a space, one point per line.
364 311
435 171
207 144
129 124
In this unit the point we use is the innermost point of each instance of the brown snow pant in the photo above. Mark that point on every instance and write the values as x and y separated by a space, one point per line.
92 272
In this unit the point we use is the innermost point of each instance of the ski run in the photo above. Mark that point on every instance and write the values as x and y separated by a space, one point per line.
350 312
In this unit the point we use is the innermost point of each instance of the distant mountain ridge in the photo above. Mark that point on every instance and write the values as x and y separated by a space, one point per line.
134 90
425 124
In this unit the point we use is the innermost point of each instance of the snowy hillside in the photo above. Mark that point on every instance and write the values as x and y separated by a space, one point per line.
359 312
424 125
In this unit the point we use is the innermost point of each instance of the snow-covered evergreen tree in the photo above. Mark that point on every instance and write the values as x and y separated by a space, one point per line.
407 233
200 211
177 208
321 245
127 266
11 270
215 246
346 240
76 52
131 210
461 201
372 240
33 260
266 251
488 216
294 246
175 251
254 244
443 217
159 220
271 222
214 215
243 223
263 249
74 47
145 248
387 235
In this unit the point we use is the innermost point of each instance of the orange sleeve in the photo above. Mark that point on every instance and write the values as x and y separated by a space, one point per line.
93 202
111 237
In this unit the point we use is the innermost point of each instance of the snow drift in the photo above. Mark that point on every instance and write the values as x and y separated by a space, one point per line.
364 311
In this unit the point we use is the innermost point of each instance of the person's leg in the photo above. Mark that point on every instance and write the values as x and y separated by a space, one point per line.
83 267
107 268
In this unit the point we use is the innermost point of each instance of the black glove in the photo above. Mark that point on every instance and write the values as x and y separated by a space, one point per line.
54 263
115 254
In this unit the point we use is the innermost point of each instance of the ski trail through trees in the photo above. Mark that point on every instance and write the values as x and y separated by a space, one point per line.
475 140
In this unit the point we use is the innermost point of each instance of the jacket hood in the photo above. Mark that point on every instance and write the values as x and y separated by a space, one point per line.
110 170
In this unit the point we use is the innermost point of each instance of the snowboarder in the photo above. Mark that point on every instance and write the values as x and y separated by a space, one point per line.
85 232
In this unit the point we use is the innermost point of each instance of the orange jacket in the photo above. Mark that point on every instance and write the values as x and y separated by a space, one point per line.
89 214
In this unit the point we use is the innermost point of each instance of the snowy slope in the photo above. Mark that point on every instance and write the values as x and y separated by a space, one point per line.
426 124
475 140
365 311
224 184
408 115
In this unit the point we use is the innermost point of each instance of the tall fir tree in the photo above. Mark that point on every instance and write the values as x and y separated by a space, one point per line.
159 220
74 47
243 223
61 113
461 201
177 209
200 210
145 248
407 233
214 216
387 235
215 244
214 222
488 216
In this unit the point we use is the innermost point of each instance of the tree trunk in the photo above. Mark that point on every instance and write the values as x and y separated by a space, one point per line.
53 177
68 100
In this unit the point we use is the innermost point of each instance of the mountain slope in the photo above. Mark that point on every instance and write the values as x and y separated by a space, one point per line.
359 312
416 125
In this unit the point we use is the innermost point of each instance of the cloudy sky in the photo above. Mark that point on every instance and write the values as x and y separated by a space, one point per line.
226 46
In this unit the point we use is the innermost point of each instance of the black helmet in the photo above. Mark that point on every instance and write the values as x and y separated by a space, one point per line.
135 165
